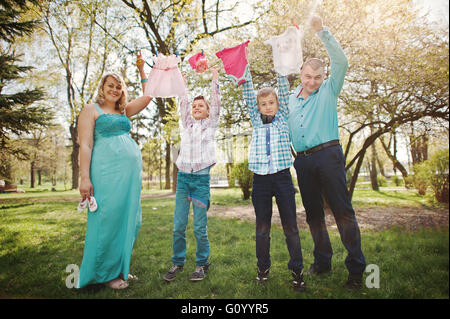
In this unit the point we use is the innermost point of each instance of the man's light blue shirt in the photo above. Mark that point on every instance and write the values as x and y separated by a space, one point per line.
314 121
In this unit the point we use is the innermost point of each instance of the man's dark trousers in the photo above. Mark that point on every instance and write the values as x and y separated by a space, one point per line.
324 172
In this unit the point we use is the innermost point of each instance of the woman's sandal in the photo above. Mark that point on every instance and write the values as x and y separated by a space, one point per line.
130 277
117 284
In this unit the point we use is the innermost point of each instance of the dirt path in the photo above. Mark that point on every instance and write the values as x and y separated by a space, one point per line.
376 218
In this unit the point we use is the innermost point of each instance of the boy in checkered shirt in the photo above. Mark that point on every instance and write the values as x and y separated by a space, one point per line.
270 160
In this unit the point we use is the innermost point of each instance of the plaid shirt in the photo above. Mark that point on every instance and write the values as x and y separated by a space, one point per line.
270 148
198 147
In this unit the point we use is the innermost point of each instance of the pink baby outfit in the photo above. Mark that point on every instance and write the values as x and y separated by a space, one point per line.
199 62
287 51
165 79
235 63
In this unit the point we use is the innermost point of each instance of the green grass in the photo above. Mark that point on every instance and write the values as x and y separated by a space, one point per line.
39 239
397 198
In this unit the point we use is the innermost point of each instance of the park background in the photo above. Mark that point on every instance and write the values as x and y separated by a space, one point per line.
394 129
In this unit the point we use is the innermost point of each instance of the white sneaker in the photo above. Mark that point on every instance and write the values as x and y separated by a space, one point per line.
82 205
92 204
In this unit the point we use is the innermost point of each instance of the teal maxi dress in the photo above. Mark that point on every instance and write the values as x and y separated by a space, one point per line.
116 175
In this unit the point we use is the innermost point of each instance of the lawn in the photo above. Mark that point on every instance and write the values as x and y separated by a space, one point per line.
42 233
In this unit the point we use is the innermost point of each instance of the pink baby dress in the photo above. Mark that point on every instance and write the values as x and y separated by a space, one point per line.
287 51
165 79
235 63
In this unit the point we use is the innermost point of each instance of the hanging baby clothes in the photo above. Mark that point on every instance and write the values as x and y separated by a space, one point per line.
235 63
287 51
199 62
165 79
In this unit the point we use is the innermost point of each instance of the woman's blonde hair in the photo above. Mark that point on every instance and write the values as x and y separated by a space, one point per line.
100 98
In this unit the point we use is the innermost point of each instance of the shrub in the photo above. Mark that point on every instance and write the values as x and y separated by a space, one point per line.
397 180
438 179
433 173
419 179
244 177
381 180
231 180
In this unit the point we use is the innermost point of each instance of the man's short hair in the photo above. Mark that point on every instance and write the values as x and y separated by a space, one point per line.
314 63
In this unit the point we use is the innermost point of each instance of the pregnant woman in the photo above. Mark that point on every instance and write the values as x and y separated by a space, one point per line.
111 171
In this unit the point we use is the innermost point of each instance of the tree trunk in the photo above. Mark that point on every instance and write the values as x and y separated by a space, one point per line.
167 186
32 177
160 167
380 166
419 147
356 172
395 154
39 173
424 147
395 162
373 169
229 167
74 157
174 177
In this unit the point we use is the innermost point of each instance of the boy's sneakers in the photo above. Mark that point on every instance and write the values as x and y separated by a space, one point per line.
199 273
172 273
263 275
354 282
298 283
319 269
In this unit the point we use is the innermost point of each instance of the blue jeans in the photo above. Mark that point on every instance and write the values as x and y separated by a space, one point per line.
264 188
320 173
191 187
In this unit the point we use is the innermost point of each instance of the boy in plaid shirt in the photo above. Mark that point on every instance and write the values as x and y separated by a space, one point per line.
197 156
270 160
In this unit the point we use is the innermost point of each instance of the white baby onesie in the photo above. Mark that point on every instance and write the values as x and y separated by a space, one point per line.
287 51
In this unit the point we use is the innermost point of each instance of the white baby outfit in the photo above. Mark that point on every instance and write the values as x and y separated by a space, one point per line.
287 51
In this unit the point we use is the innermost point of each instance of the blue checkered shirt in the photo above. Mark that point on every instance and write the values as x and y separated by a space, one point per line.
270 147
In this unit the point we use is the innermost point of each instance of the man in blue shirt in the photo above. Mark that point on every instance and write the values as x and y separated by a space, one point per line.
320 162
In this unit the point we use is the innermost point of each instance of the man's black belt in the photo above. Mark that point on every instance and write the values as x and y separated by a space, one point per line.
318 148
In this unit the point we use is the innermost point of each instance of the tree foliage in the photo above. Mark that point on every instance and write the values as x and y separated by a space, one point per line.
398 68
19 112
82 49
177 27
